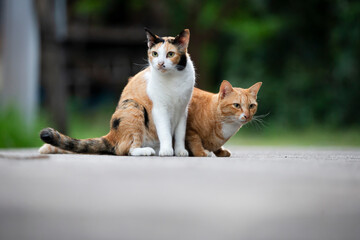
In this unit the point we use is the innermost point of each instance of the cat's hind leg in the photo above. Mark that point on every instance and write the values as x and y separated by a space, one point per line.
142 151
132 121
137 150
132 146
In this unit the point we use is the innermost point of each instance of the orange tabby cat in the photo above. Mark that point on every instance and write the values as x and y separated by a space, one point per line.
214 118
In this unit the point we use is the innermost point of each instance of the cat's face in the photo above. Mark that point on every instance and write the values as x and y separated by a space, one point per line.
168 54
237 104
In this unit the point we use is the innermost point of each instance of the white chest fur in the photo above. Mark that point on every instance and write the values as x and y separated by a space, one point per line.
229 129
171 91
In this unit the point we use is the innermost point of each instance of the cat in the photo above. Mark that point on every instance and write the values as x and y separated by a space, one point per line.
214 118
152 109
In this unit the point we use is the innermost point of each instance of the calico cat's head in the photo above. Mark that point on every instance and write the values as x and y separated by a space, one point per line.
168 54
237 104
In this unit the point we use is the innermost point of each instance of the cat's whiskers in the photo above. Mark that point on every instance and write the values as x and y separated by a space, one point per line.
258 121
142 65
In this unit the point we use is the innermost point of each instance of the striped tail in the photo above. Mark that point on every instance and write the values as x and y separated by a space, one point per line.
91 146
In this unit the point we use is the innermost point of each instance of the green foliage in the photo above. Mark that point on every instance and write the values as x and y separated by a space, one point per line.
95 123
91 123
306 53
88 124
91 7
276 135
13 132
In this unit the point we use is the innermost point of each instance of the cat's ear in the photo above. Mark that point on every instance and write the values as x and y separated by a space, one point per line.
152 38
254 89
225 89
182 40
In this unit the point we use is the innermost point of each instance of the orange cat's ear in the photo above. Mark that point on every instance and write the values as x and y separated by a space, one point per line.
254 89
225 89
153 39
183 39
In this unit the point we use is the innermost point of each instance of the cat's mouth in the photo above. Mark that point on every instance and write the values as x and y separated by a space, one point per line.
243 121
161 69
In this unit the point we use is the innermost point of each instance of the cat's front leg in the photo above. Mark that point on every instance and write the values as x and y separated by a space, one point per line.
222 152
195 145
180 137
163 129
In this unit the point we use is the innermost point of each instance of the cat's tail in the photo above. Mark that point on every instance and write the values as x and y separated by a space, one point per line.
92 146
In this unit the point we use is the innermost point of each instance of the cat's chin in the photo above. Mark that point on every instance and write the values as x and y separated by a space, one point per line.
243 122
163 70
160 70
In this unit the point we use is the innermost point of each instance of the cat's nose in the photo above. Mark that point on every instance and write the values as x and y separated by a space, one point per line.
161 64
244 117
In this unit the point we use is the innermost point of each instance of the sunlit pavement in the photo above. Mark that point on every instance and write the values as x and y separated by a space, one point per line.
259 193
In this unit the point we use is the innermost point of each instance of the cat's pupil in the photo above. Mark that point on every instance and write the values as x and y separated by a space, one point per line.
236 105
170 54
155 54
252 105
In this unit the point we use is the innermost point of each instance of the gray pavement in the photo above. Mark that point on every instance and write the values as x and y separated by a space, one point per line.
258 193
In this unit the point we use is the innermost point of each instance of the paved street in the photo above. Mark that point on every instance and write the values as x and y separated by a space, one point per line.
259 193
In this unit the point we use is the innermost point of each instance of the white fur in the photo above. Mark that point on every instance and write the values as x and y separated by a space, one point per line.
242 117
146 151
208 153
45 149
233 125
170 92
49 149
229 129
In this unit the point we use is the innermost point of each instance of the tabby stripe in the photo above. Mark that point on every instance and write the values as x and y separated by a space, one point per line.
146 118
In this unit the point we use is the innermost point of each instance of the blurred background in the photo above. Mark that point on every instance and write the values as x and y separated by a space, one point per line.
64 63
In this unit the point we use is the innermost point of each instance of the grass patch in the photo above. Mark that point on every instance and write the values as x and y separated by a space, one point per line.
90 124
95 123
311 136
15 134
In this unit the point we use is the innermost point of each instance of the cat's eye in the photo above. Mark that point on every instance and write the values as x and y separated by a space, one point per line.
154 54
170 54
252 106
236 105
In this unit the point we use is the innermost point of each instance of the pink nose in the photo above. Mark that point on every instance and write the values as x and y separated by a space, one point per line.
246 116
161 64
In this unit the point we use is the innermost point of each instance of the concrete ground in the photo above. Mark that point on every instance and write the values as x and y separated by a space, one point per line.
258 193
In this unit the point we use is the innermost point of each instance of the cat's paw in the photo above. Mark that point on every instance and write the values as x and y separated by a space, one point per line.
222 153
49 149
45 149
166 152
207 153
181 152
204 153
146 151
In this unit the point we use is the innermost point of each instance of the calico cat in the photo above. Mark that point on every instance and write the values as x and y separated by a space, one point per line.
214 118
152 109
